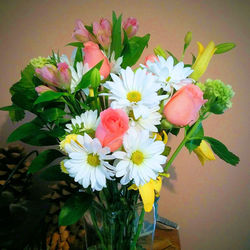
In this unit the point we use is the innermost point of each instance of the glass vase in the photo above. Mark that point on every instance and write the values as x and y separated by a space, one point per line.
127 228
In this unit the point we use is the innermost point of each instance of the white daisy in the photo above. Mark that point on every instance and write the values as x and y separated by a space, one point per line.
76 74
142 159
115 64
148 122
88 121
134 91
88 163
170 75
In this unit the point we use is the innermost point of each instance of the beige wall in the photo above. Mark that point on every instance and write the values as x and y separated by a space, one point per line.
211 203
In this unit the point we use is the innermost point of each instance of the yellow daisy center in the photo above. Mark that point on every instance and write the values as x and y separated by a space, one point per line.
93 160
137 157
134 96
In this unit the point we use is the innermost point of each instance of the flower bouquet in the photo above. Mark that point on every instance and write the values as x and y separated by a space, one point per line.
109 124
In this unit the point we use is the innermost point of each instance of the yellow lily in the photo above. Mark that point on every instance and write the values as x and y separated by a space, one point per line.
148 192
159 137
67 140
202 60
204 153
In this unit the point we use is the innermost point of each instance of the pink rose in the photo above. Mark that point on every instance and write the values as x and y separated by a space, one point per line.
93 55
131 26
183 108
102 31
112 127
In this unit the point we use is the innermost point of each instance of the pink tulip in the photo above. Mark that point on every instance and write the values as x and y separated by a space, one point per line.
42 89
64 75
81 33
102 31
112 127
131 26
93 55
183 108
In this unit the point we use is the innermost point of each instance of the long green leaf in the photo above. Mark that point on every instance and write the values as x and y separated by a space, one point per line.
76 44
49 96
116 44
16 113
221 150
43 159
74 208
52 114
41 138
194 143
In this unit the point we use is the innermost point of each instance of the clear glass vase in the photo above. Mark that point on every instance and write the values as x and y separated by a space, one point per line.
124 229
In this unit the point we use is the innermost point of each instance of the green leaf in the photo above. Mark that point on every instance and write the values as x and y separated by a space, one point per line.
76 44
41 138
49 96
43 159
78 57
16 113
86 78
133 50
175 131
54 173
221 150
116 44
224 47
52 114
194 143
74 208
175 59
27 129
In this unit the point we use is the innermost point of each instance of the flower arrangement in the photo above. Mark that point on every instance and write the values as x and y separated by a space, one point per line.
110 123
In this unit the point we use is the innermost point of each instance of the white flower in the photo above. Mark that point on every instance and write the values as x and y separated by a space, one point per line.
142 159
134 91
87 121
148 122
115 64
170 75
76 74
88 163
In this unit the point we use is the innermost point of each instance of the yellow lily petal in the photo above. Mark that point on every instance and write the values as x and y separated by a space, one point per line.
165 137
204 152
157 186
148 195
157 136
63 168
202 60
133 187
67 140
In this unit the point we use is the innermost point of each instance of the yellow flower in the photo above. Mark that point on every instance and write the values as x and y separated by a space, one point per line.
63 168
204 152
67 140
148 192
202 60
159 137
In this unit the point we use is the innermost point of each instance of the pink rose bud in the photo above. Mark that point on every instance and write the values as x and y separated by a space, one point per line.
64 75
130 26
42 89
102 30
152 58
112 127
48 74
183 108
93 55
81 33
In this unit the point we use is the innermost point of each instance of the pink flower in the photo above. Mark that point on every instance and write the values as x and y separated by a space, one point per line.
152 58
93 55
112 127
64 75
183 108
81 33
102 30
131 26
42 89
48 74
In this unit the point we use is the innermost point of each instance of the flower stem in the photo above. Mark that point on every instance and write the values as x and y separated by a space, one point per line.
138 231
183 142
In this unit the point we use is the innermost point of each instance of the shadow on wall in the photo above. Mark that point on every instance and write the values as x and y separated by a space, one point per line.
169 182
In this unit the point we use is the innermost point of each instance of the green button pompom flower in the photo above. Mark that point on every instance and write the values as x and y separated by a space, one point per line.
39 62
218 94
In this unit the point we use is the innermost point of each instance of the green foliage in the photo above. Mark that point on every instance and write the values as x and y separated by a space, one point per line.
221 150
74 208
224 47
54 173
95 78
86 78
76 44
49 96
78 57
133 50
41 138
116 44
160 52
218 94
52 114
16 114
194 143
43 159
